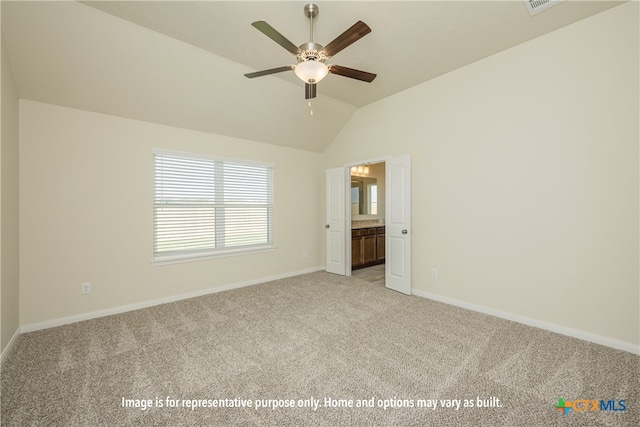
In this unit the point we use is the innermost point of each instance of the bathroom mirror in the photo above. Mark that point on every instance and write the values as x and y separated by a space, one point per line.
364 196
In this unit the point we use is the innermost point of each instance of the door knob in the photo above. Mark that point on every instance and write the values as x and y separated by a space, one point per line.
404 231
327 226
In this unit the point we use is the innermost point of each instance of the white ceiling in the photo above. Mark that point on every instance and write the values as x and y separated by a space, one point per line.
181 63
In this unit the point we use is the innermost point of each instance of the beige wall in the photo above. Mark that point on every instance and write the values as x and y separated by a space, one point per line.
9 240
86 212
525 176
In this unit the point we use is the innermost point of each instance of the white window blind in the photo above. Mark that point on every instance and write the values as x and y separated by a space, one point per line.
207 206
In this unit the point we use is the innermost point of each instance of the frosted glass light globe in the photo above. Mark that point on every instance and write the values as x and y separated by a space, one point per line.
311 71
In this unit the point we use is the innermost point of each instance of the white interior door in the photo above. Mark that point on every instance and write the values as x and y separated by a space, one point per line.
335 225
398 224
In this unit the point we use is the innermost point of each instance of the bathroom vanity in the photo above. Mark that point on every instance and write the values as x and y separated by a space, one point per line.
367 246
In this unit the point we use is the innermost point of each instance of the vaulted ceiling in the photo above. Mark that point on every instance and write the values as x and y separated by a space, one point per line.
181 63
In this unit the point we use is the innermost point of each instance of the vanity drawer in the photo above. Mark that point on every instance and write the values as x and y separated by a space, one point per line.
359 232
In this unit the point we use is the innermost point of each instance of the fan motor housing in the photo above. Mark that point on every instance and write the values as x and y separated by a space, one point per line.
311 52
311 46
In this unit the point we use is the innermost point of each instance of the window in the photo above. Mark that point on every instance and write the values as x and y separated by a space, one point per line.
373 199
205 206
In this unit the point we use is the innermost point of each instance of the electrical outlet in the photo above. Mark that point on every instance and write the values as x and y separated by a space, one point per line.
434 273
86 288
305 254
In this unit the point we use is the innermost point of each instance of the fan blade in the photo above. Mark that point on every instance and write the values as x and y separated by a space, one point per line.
309 91
351 73
270 71
352 35
274 35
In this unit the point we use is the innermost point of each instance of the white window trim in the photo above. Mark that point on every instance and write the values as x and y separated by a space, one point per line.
162 151
179 259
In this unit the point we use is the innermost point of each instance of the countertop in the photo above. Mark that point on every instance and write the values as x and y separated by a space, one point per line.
358 227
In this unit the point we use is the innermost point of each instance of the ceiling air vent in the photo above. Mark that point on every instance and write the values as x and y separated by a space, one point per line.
537 6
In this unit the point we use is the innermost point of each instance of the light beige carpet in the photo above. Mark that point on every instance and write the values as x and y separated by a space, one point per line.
316 336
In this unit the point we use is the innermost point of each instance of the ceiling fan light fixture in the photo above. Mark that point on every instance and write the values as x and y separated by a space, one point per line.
311 71
311 56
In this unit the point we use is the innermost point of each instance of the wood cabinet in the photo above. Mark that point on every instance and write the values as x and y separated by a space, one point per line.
356 251
380 244
367 246
369 249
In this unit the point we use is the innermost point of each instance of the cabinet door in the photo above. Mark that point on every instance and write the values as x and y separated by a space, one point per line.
380 247
369 249
356 252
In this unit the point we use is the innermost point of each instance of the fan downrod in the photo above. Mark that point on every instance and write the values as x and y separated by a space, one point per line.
311 11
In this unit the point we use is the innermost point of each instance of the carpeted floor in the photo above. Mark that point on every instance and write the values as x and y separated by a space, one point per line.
316 336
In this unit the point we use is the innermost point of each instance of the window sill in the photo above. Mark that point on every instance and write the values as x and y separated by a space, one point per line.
179 259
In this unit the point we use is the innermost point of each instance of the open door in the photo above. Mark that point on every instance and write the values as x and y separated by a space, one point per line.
398 224
336 219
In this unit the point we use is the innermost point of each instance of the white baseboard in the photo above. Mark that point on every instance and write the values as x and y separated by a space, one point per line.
144 304
598 339
9 346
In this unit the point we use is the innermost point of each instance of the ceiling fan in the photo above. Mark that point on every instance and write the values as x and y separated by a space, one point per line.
311 67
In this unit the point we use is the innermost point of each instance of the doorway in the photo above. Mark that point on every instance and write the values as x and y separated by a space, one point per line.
367 225
374 274
397 221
